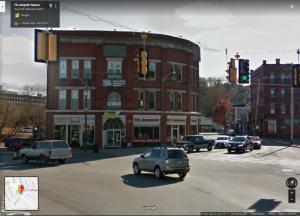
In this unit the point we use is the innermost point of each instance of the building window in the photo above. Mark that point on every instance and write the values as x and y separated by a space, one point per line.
272 108
87 74
272 128
62 99
141 99
172 100
146 133
178 69
114 69
179 101
74 102
194 103
151 75
62 69
75 69
272 92
272 78
282 77
87 99
114 100
283 109
282 92
152 100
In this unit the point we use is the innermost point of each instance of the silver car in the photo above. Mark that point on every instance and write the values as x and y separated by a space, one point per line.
162 161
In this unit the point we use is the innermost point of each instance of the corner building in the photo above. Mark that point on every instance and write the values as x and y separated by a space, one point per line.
101 68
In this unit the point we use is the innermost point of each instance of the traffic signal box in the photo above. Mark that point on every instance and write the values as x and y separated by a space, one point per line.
143 62
244 75
231 71
296 76
45 46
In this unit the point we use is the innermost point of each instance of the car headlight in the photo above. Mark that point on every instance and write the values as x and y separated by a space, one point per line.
229 144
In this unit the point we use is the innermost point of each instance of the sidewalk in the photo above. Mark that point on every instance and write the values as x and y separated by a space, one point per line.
278 141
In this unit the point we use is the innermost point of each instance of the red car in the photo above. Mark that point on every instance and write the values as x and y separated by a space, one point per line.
16 143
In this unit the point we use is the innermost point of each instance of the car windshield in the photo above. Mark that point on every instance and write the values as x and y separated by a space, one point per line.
238 139
222 138
256 138
173 154
188 138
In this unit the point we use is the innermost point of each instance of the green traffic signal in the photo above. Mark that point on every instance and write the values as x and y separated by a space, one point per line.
245 77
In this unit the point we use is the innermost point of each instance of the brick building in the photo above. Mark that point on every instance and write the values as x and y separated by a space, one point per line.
271 101
121 104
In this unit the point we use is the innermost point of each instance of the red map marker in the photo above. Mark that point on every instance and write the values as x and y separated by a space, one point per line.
21 188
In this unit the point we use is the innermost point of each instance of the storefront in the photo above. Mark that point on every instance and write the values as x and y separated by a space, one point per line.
146 128
71 129
195 124
176 127
114 129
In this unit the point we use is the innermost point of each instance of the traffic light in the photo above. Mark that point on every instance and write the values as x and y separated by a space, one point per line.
143 62
296 76
45 46
231 71
244 75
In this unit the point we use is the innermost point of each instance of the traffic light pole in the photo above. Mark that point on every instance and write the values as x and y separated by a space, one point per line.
292 107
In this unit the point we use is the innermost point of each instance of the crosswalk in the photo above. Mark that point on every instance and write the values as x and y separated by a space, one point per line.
254 157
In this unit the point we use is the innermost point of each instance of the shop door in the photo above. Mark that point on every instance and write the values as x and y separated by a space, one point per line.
113 138
175 133
74 135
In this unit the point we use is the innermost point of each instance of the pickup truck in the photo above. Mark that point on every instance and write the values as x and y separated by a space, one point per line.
47 150
195 142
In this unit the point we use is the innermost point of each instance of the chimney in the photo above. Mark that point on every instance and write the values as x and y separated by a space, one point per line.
278 61
264 62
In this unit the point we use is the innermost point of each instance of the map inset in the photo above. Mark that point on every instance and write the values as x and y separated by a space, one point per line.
21 193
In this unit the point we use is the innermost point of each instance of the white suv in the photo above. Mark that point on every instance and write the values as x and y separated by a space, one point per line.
47 150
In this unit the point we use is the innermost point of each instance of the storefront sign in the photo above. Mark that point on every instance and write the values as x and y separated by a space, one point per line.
176 120
146 120
112 114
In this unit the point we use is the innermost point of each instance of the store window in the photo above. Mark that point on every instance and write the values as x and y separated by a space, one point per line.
272 128
87 67
59 132
152 100
146 133
62 69
62 99
74 101
114 100
114 69
75 69
90 134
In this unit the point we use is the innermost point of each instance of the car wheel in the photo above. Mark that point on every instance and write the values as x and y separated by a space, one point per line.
190 149
245 150
251 149
24 159
136 169
44 160
197 149
209 148
62 161
182 175
157 173
229 151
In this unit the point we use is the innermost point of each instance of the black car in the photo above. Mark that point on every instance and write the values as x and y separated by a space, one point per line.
195 142
240 143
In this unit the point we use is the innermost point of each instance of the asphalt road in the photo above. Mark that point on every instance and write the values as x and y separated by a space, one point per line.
218 181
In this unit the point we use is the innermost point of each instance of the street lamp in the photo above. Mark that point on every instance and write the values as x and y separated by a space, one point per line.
173 73
85 112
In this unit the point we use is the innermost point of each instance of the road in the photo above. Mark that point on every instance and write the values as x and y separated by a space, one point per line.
218 181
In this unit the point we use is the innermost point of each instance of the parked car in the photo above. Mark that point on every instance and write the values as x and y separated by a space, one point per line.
162 161
16 143
240 143
195 142
222 141
47 150
256 140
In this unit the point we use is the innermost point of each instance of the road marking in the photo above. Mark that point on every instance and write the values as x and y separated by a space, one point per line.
287 170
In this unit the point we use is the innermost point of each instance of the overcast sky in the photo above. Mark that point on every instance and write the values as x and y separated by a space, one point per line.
257 30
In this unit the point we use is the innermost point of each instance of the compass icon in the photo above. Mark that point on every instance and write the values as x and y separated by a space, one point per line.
291 182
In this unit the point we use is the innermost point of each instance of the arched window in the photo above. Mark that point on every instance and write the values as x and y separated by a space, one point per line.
114 100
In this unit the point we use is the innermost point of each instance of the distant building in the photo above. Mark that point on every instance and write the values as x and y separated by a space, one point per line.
239 118
271 101
16 98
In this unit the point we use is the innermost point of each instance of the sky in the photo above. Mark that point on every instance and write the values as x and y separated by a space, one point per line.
257 30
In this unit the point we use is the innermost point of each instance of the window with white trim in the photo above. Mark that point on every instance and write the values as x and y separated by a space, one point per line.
114 69
272 92
86 99
114 100
179 101
75 69
272 77
62 69
172 100
272 108
87 69
74 97
282 77
178 69
282 92
141 100
151 75
283 108
62 98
